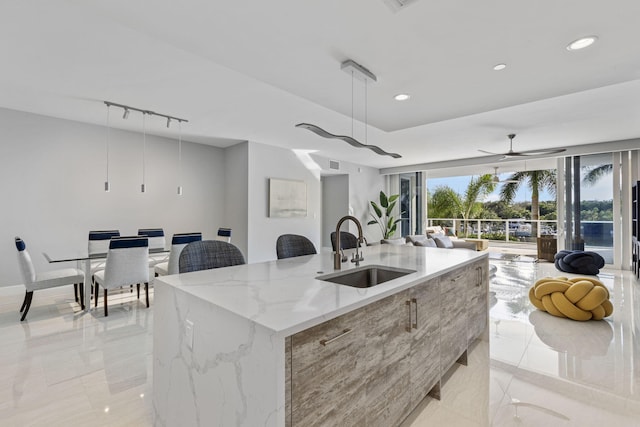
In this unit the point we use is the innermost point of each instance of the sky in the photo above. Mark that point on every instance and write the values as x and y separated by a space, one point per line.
600 191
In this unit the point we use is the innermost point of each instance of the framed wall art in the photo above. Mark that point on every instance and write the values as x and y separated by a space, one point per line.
287 198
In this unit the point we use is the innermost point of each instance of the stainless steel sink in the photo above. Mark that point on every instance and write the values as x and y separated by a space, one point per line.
366 276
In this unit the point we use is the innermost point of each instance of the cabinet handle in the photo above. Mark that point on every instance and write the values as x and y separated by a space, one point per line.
345 332
415 324
455 279
478 276
408 304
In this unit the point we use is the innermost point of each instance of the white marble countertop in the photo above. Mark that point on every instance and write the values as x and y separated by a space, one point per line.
285 297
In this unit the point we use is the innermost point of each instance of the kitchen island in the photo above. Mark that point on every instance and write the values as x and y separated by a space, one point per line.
269 344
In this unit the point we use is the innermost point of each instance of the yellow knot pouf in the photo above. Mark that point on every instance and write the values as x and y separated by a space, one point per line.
578 298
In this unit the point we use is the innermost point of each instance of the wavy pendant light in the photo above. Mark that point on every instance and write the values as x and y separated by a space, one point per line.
364 74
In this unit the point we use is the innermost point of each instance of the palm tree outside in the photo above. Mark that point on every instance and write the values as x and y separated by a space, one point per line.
447 203
594 174
536 181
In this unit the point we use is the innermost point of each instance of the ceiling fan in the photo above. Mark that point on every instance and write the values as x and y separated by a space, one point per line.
496 178
509 154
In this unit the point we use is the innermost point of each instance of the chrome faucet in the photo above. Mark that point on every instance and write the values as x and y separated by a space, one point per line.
357 257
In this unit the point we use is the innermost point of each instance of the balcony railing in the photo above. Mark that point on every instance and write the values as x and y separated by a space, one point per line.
595 233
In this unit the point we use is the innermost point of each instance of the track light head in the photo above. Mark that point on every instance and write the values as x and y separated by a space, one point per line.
126 114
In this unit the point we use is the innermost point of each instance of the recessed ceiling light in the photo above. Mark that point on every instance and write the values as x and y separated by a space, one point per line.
499 67
402 97
582 42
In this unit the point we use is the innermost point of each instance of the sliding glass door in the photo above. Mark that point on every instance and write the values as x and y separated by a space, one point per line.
411 203
589 204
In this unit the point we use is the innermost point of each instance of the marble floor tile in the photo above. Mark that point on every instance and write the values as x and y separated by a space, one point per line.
63 367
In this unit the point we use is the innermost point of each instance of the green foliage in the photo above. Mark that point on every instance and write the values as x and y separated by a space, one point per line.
596 210
536 181
383 217
444 202
594 174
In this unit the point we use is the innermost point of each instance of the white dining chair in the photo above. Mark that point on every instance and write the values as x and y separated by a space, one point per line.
48 279
224 235
127 264
156 242
178 242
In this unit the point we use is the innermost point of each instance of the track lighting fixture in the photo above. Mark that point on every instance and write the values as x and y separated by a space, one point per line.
127 109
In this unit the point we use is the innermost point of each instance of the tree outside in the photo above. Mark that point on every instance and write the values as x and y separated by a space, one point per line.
445 202
536 181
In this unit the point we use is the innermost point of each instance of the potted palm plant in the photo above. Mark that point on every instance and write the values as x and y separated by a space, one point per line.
382 214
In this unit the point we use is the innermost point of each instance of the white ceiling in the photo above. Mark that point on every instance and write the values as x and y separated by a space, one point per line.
251 70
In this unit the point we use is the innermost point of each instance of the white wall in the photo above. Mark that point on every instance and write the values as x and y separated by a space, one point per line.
335 204
272 162
365 184
236 199
52 175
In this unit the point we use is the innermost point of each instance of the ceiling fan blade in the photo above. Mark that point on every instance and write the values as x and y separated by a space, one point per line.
489 152
513 154
542 151
516 154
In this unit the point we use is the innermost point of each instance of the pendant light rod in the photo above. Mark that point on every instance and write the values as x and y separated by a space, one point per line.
179 158
107 185
151 113
143 187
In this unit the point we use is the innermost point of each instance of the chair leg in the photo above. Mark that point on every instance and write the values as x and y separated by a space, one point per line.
24 301
27 300
146 291
81 286
106 312
75 291
138 286
95 294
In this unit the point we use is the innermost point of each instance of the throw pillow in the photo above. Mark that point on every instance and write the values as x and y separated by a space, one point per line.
443 242
396 242
414 238
430 243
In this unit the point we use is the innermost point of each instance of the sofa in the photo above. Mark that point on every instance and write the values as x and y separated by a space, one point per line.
437 237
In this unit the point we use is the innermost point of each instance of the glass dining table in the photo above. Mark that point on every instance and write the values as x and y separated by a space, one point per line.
84 260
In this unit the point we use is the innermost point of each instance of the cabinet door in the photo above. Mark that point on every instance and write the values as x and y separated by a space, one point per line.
453 316
424 366
328 373
388 341
477 300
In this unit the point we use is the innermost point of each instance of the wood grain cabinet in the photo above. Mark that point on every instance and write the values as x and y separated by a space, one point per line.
425 341
328 365
388 335
453 316
477 300
372 366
